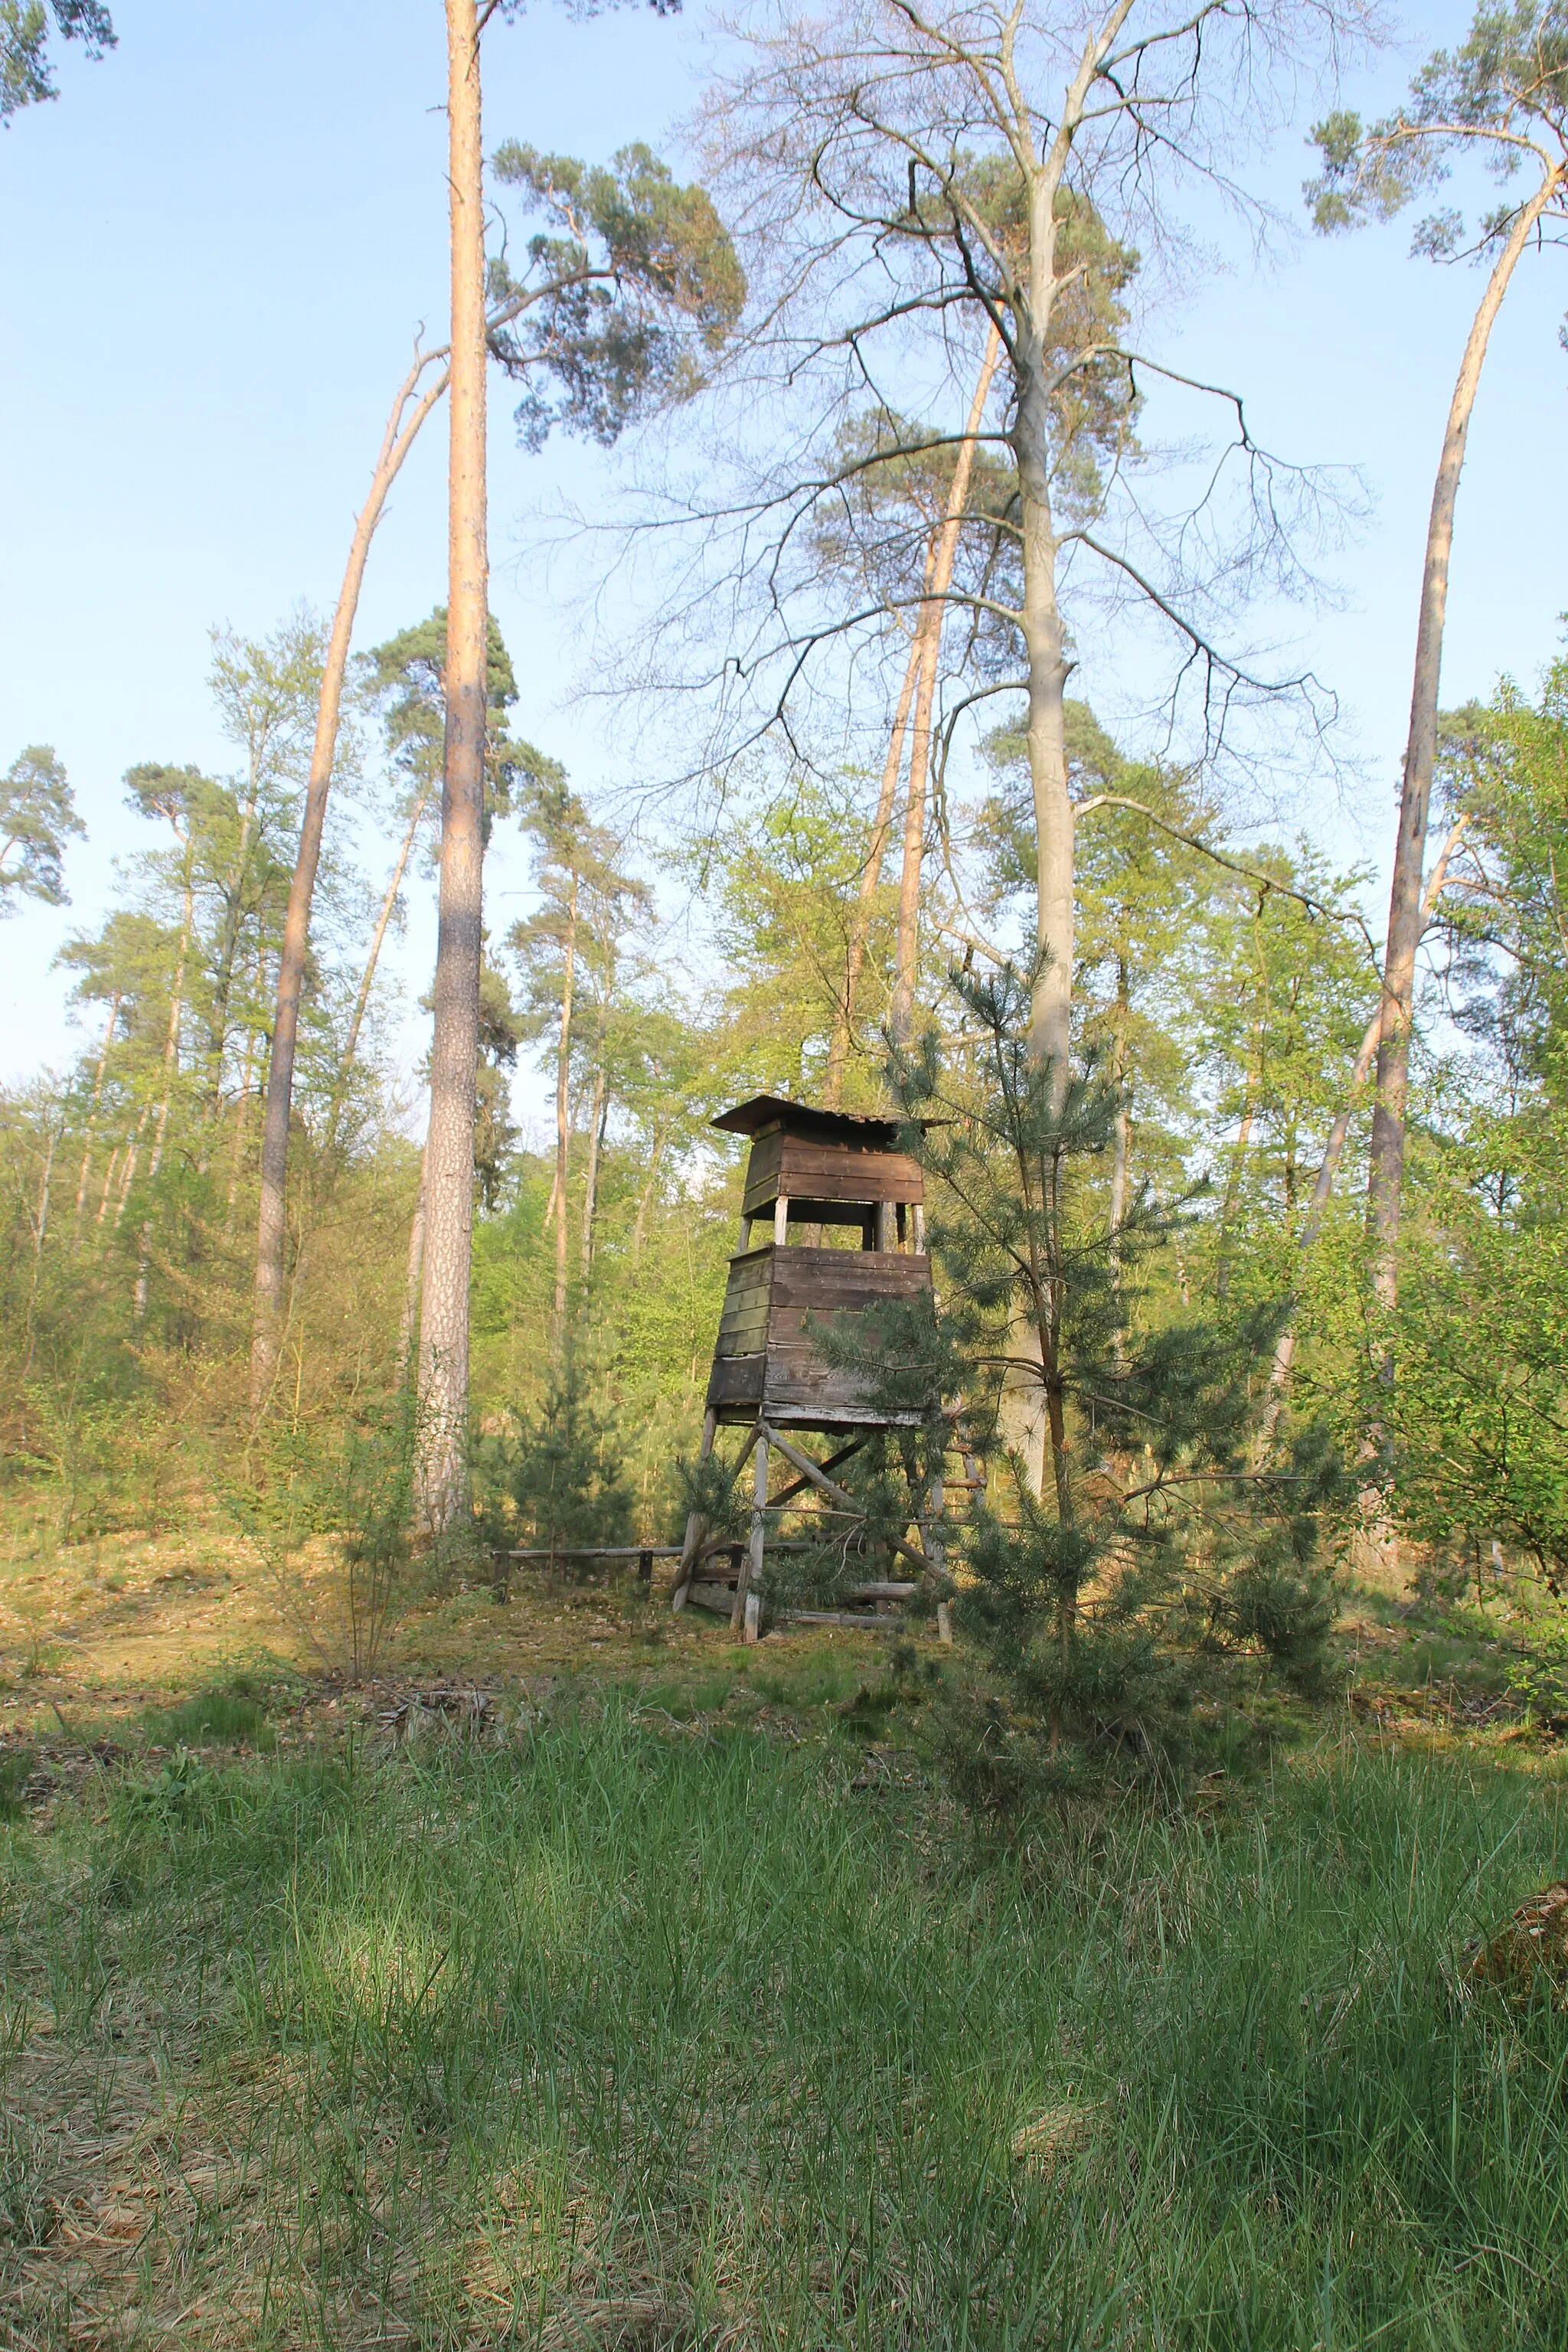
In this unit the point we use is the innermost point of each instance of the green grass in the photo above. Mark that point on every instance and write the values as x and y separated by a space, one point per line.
221 1719
626 2035
15 1764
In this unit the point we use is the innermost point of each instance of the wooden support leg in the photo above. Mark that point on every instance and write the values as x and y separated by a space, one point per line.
752 1566
933 1528
693 1535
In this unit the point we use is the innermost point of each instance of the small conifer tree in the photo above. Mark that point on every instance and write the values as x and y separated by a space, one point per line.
1160 1549
554 1480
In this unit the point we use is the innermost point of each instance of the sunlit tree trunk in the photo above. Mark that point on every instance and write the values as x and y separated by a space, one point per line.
1030 1413
271 1228
933 612
131 1163
454 1060
1385 1172
108 1186
1051 1017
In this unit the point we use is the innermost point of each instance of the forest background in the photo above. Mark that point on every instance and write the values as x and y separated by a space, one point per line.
709 947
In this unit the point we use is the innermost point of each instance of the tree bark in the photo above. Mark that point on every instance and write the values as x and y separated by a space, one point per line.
934 612
108 1186
397 442
449 1151
1385 1172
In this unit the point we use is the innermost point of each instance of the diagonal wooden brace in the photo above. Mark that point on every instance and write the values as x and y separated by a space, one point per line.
819 1478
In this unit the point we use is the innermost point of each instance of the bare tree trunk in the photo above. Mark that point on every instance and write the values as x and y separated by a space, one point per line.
595 1148
931 617
1050 1033
396 444
454 1060
1386 1166
92 1111
108 1186
564 1125
378 939
1030 1415
171 1067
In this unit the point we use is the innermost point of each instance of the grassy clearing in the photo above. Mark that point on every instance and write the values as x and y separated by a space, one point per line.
622 2031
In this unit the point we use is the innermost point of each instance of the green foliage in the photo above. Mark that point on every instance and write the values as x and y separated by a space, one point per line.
27 70
37 813
404 678
554 1480
1504 88
633 285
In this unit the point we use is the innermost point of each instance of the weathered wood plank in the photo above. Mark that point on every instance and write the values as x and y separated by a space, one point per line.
736 1379
762 1172
744 1334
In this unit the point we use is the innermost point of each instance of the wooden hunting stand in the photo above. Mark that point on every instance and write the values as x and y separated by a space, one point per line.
808 1170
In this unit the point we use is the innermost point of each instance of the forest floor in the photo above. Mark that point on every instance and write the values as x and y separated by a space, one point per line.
579 1976
108 1632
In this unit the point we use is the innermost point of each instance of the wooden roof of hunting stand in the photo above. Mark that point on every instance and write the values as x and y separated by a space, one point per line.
810 1170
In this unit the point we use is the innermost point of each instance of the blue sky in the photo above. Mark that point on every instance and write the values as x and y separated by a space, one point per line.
217 248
